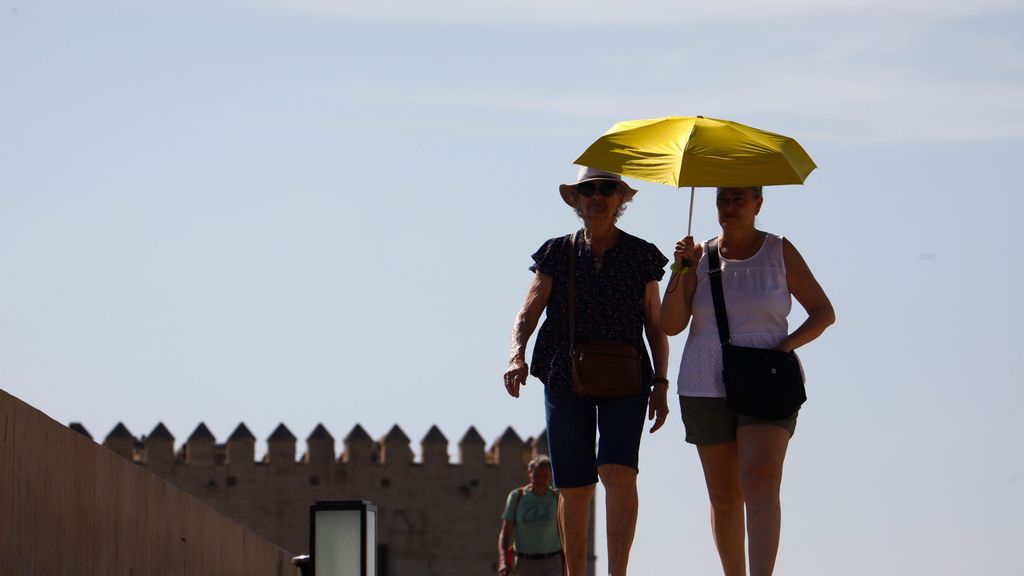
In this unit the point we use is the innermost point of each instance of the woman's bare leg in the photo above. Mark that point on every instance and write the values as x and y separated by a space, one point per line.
621 503
573 522
762 451
721 474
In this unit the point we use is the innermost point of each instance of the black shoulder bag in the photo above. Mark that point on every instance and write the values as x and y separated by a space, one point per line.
758 382
599 369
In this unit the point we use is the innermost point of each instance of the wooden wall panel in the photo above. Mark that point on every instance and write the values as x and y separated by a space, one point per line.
70 506
7 495
159 556
82 504
231 547
199 534
130 520
60 479
106 498
29 480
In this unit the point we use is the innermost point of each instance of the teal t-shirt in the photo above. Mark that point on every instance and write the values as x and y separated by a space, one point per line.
536 521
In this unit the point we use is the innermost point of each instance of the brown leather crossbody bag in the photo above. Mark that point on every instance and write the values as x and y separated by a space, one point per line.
600 369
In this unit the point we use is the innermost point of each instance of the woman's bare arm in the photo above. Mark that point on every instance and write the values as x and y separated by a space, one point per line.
658 407
676 307
810 295
522 329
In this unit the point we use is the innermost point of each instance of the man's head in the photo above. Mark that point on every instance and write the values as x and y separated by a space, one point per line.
539 470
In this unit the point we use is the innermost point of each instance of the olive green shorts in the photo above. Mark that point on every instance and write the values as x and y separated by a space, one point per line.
709 420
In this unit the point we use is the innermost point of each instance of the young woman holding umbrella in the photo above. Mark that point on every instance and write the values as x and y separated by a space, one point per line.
742 456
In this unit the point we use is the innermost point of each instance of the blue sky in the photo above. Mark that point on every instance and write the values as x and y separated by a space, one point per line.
311 211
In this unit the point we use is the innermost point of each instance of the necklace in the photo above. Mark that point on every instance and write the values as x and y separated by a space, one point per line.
599 256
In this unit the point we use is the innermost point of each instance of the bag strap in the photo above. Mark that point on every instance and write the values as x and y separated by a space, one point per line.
572 291
515 514
717 294
515 507
519 496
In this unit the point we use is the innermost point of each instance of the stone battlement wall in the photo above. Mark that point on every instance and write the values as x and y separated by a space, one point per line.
156 450
435 516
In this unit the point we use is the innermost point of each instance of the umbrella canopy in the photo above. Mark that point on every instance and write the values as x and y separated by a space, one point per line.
697 151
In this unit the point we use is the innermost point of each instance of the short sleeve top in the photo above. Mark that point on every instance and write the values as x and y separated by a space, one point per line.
536 520
609 301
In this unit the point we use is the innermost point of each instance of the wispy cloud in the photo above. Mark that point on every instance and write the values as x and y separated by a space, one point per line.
591 12
858 102
850 70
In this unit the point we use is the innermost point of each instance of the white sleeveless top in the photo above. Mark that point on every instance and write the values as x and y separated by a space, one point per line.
757 301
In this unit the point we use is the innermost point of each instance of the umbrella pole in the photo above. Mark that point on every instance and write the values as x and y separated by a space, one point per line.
689 227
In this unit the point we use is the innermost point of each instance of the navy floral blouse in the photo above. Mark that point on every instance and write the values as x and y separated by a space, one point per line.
609 301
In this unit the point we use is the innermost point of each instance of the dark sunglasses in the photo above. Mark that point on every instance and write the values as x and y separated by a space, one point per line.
605 187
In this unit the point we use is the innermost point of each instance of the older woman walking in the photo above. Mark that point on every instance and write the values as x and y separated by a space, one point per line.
742 456
616 299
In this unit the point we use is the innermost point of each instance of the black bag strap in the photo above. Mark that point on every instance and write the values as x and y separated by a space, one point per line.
572 291
717 295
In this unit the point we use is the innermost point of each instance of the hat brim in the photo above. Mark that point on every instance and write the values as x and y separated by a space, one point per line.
568 190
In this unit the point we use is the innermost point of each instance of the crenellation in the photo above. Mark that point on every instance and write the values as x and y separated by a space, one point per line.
121 441
434 448
280 447
540 443
471 448
158 449
319 447
78 427
509 450
395 448
199 449
241 449
359 447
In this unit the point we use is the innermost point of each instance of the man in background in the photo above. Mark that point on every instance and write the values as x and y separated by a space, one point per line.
528 544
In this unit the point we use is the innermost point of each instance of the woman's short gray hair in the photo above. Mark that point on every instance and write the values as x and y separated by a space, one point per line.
541 461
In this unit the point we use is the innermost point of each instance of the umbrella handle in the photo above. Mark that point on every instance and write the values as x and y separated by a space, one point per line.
689 227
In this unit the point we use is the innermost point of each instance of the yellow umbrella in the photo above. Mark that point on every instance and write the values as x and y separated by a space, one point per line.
698 151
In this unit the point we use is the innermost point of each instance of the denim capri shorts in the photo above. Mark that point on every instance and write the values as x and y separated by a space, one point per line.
573 422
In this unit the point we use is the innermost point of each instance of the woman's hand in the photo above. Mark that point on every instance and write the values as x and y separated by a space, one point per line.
526 321
675 310
784 346
684 252
515 376
657 410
